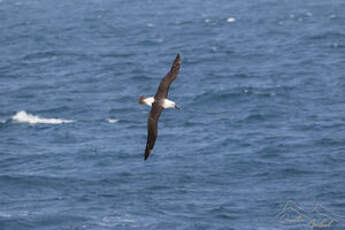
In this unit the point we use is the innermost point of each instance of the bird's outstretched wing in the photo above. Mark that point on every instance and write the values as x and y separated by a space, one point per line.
152 128
163 89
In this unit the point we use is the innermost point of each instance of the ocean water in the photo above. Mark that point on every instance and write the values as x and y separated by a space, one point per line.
258 145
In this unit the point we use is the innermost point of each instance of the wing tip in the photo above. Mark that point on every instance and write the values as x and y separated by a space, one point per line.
178 58
147 154
176 64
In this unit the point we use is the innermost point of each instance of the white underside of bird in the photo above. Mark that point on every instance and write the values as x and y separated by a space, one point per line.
166 103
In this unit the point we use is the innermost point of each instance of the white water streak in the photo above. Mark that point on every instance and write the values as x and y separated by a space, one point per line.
24 117
113 120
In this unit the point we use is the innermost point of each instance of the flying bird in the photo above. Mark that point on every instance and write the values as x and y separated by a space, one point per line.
159 102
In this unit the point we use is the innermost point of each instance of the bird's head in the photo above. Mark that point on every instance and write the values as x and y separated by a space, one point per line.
141 100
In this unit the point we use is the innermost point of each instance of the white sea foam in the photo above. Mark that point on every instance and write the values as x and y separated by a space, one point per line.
3 214
113 221
113 120
2 121
24 117
231 19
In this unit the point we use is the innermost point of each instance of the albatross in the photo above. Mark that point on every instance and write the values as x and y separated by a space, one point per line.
159 102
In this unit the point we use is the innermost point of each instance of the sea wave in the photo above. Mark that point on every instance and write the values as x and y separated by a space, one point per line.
112 120
24 117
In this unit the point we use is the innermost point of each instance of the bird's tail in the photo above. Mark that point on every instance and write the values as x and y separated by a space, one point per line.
178 107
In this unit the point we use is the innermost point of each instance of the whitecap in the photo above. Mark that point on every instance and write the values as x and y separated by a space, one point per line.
113 120
231 19
335 45
24 117
3 214
214 49
2 121
112 221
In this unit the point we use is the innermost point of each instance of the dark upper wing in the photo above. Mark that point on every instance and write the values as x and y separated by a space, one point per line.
163 88
152 127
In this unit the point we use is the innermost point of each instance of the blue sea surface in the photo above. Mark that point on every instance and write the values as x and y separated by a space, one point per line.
258 145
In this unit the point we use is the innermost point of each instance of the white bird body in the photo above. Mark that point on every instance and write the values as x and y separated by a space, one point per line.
149 101
166 104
